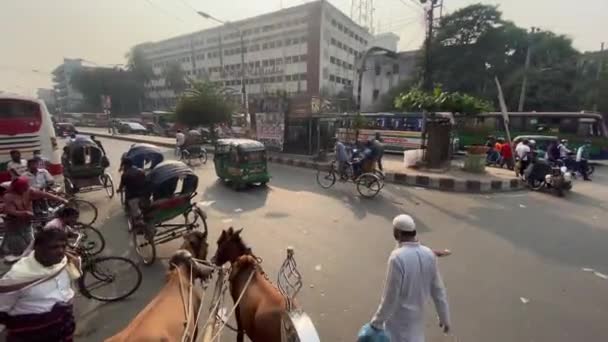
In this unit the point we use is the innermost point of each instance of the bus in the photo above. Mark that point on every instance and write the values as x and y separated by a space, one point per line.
576 127
26 126
399 131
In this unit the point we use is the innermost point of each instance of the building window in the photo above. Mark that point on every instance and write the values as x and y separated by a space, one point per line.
332 60
377 69
303 77
288 78
375 95
271 45
294 59
265 63
395 68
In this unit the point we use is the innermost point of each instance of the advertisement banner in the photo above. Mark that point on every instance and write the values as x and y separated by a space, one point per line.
270 130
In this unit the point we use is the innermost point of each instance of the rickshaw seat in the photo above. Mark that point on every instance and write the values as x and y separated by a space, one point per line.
165 209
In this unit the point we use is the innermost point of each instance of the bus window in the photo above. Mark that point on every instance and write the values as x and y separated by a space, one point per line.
396 124
568 126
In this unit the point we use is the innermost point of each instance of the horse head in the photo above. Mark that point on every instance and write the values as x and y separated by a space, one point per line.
195 242
230 247
183 261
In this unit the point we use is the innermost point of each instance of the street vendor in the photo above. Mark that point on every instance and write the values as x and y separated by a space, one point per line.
19 212
36 294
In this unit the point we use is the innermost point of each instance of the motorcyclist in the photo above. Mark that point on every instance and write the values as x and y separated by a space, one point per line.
537 168
565 154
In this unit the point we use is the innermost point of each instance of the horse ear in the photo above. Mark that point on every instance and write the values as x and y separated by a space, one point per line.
222 236
238 232
230 231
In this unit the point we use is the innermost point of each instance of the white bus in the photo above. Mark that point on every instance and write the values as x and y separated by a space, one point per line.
26 126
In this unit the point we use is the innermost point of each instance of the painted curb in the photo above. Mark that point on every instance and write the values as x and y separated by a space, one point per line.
441 183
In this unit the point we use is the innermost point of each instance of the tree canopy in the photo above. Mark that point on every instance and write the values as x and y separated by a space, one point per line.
120 84
204 104
474 44
440 101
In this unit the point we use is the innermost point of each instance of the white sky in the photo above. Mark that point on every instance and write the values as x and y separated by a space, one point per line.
37 34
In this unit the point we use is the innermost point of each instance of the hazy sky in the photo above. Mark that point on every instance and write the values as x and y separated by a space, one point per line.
37 34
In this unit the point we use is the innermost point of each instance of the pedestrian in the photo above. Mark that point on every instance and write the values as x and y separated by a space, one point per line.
378 147
180 139
18 221
36 294
522 151
16 166
506 155
341 158
412 277
582 157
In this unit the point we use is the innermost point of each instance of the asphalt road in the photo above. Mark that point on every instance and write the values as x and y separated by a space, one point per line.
516 273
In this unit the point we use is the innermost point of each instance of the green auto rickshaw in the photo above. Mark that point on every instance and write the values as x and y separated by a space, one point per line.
241 162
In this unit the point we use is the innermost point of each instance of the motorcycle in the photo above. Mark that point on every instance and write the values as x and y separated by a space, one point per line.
559 179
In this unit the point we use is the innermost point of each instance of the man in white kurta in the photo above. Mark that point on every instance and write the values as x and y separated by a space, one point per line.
412 277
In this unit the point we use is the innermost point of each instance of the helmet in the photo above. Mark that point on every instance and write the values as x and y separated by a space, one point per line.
564 141
532 142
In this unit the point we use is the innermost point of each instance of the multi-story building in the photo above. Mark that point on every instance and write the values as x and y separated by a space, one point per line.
383 73
68 98
48 96
302 49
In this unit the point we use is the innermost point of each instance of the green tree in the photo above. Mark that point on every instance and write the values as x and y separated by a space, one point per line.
142 71
175 78
204 104
121 85
438 128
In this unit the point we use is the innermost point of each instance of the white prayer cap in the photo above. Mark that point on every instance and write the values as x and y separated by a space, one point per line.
404 223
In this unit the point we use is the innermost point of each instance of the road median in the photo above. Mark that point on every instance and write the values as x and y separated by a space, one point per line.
396 175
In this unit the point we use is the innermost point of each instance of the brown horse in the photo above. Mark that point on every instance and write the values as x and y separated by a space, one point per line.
168 316
258 314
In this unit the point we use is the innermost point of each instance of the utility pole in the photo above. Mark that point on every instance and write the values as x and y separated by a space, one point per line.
428 81
524 83
600 63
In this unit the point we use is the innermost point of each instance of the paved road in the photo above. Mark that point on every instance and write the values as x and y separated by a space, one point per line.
506 247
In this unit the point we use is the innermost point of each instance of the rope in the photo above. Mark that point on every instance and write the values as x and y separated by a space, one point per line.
235 305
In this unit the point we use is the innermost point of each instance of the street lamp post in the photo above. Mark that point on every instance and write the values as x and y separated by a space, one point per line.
244 99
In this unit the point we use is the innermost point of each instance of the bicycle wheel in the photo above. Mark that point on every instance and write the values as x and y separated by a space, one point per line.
590 170
368 185
108 184
109 279
92 241
196 218
88 211
326 179
144 245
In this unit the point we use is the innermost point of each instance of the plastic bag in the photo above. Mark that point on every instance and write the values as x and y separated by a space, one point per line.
369 334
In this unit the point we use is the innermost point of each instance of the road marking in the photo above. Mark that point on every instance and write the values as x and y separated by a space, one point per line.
601 275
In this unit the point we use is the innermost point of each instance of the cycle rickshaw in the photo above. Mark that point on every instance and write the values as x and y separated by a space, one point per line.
84 165
193 148
170 214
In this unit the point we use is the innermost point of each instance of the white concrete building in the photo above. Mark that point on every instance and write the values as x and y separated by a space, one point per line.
68 98
381 74
301 49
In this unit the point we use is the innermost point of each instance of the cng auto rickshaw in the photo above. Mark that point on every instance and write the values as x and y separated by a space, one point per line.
241 162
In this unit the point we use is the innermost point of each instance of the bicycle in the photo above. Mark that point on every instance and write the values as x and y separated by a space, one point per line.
91 234
96 274
368 184
88 211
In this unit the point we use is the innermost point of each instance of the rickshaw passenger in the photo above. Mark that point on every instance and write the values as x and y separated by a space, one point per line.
95 155
78 156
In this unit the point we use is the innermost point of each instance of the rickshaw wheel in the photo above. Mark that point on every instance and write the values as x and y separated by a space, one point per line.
144 246
196 218
108 184
368 185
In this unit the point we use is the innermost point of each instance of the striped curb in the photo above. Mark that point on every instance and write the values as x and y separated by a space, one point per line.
442 183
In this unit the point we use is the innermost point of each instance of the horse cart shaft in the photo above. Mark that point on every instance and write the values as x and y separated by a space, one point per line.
213 325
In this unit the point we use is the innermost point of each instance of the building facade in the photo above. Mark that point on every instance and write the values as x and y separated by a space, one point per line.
308 49
68 99
49 98
381 74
